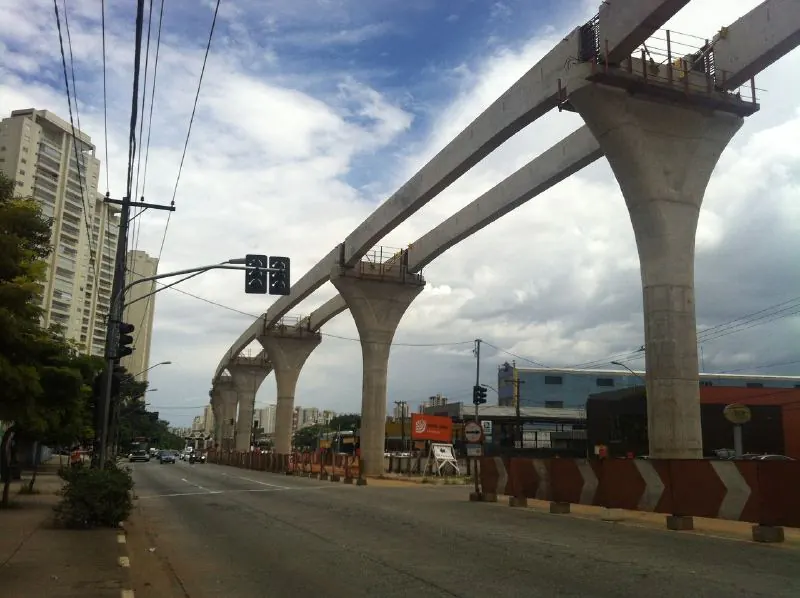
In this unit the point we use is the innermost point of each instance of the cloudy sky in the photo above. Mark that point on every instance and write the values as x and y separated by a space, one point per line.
313 111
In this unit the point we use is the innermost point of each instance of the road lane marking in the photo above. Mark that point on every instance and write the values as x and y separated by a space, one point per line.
198 486
124 561
237 491
258 482
121 539
127 594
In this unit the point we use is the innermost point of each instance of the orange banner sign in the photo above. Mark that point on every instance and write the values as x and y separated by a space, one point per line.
431 427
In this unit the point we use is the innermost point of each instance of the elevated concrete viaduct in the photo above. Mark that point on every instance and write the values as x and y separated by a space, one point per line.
593 89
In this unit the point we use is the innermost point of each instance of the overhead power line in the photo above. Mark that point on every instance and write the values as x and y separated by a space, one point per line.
188 135
105 94
75 140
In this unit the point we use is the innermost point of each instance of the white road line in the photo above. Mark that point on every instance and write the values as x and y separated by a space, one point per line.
124 561
127 594
121 539
263 483
259 490
198 486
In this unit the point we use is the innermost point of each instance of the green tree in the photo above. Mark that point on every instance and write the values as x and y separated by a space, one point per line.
346 421
24 244
45 381
308 437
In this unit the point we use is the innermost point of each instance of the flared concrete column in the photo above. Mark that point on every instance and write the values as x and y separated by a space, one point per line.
247 374
288 350
226 391
216 409
377 305
663 155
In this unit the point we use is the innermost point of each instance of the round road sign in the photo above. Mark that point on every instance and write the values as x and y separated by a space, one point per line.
737 414
473 432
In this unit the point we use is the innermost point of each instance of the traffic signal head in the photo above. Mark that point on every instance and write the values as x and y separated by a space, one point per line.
478 395
279 275
125 339
255 277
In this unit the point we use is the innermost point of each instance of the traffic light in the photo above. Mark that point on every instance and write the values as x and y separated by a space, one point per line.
125 339
478 395
255 277
279 275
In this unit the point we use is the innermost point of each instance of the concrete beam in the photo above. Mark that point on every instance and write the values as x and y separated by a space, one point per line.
302 288
752 43
565 158
535 94
625 24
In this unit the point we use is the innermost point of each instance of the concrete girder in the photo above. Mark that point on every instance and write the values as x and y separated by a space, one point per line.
288 349
532 96
571 154
752 43
624 24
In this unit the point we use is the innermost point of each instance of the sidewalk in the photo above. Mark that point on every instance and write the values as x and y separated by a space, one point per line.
36 559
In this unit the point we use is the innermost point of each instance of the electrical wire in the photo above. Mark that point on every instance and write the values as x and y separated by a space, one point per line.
105 94
185 144
152 95
75 140
137 226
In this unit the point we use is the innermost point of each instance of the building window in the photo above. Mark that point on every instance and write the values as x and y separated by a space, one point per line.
554 404
706 383
605 382
755 385
553 380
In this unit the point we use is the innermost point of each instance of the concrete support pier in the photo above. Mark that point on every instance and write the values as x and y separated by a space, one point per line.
378 295
247 374
226 391
216 409
662 154
288 348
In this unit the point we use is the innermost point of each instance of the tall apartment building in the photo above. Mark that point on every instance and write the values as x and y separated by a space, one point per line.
37 150
265 417
139 311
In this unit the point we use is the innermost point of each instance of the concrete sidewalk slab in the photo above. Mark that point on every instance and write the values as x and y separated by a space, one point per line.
37 559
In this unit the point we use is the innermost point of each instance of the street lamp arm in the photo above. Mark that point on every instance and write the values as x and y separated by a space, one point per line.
228 265
619 363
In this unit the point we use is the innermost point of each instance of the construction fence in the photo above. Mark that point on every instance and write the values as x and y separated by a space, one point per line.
761 492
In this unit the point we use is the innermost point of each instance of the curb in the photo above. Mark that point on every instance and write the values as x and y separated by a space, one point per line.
123 559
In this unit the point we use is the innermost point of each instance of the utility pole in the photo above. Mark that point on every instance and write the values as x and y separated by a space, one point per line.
115 314
402 405
477 370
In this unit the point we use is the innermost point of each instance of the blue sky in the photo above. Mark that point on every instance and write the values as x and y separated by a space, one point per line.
312 112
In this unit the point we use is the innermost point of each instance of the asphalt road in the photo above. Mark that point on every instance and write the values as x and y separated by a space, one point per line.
208 530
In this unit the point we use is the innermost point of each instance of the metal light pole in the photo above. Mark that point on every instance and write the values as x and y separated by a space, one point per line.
151 367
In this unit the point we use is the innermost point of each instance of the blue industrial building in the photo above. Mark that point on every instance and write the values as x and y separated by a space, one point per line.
569 387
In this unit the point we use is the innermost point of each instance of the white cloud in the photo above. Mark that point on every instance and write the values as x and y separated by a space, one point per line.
269 168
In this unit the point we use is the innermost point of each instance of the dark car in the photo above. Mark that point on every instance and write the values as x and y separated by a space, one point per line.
166 457
139 456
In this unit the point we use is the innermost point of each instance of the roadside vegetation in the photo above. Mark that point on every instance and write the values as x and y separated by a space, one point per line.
48 382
